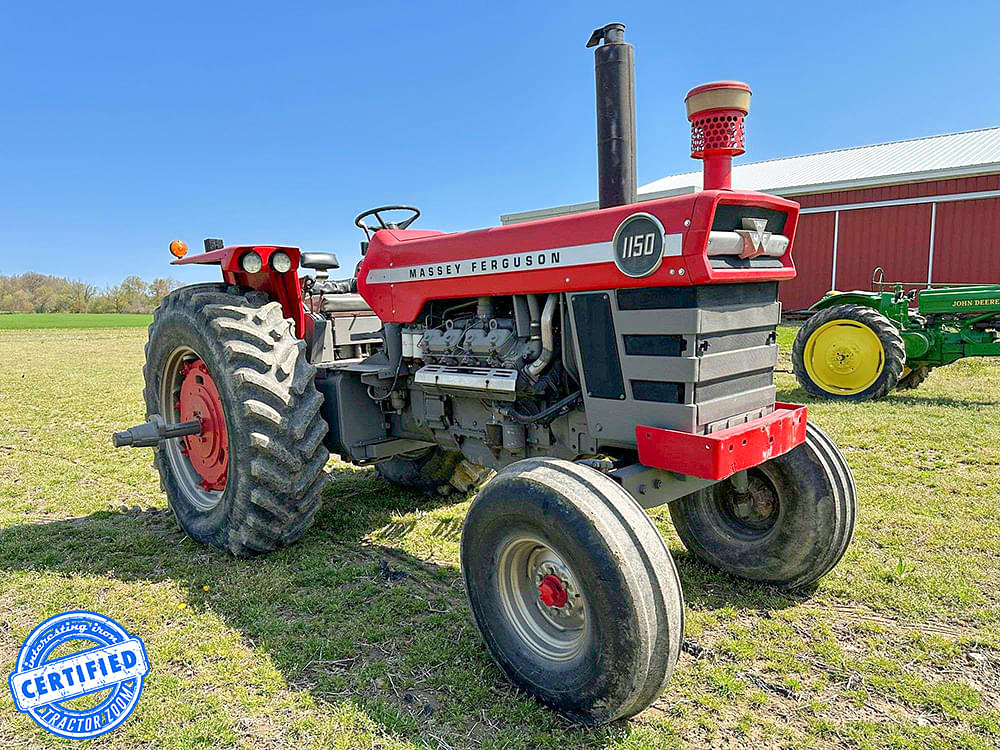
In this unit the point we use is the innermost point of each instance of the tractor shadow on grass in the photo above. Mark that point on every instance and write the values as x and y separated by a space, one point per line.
914 397
352 621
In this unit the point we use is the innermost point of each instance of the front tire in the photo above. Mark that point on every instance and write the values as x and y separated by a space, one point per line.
573 589
849 353
789 528
251 481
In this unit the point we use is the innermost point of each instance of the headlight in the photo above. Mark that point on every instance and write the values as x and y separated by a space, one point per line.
251 262
280 262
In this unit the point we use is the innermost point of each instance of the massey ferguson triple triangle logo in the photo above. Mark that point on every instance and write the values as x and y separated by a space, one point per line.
755 239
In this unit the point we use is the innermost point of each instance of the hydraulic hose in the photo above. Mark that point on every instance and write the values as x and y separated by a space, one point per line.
546 416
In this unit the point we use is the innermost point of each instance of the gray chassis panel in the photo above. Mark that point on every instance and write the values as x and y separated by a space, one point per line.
653 487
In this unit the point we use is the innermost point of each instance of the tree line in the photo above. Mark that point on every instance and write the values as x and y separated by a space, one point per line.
39 293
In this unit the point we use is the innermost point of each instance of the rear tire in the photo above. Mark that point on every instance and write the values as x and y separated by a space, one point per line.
272 416
848 353
793 526
608 651
429 472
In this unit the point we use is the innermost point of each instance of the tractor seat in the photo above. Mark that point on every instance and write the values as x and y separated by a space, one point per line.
319 261
341 303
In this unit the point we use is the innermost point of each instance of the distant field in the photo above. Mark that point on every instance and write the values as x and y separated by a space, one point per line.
23 321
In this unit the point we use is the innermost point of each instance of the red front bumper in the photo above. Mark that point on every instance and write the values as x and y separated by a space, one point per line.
726 452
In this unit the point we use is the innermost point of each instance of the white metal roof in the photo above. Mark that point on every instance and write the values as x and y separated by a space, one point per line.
933 157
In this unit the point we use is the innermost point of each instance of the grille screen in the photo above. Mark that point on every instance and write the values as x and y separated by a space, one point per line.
734 261
729 386
653 345
713 343
729 218
654 390
712 295
598 345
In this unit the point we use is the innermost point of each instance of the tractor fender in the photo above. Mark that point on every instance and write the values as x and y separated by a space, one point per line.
282 287
832 298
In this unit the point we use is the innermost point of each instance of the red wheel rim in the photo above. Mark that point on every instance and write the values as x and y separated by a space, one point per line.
208 452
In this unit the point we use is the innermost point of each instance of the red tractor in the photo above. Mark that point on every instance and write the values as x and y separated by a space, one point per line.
602 363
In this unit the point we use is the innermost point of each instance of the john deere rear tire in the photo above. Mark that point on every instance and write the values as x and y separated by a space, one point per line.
848 352
251 482
431 471
573 589
913 378
792 526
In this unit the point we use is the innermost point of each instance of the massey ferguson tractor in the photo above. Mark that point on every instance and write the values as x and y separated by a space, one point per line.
602 363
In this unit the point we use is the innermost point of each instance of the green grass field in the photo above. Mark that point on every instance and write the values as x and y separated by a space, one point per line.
316 647
27 321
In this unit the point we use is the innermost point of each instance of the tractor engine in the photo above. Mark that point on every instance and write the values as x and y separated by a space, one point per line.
483 371
494 376
485 340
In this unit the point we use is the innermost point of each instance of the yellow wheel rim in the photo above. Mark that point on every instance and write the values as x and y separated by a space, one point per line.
844 357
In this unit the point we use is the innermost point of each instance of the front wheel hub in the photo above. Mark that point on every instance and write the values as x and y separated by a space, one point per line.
751 511
541 598
208 451
552 592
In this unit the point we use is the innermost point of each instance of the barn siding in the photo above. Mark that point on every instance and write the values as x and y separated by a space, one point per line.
813 255
896 238
967 242
899 192
966 238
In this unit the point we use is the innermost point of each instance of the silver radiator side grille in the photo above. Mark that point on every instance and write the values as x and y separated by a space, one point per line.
497 383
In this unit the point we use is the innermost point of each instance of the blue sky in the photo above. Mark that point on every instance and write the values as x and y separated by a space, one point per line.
123 126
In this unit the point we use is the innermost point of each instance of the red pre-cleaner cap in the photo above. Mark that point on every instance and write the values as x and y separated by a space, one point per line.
716 112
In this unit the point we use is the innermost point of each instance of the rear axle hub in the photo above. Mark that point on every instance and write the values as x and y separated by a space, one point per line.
208 451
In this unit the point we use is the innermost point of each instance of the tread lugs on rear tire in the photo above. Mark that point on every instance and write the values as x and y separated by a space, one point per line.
266 387
549 522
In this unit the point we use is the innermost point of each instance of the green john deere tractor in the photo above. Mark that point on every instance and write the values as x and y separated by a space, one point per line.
861 345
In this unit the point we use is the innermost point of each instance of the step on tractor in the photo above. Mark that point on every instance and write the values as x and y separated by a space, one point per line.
860 345
601 363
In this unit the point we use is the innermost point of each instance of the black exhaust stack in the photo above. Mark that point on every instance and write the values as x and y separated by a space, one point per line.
614 72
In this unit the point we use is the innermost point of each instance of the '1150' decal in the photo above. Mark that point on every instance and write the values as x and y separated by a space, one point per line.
641 244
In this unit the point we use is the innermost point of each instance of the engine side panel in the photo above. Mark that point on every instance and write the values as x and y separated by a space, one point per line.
353 417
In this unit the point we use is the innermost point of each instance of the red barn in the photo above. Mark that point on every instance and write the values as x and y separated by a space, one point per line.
925 210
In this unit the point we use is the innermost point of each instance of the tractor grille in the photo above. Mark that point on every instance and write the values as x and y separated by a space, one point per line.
696 358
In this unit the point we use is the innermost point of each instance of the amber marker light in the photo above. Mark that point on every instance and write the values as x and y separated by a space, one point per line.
178 248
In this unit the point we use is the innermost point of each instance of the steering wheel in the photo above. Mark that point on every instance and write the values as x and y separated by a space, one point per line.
382 223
